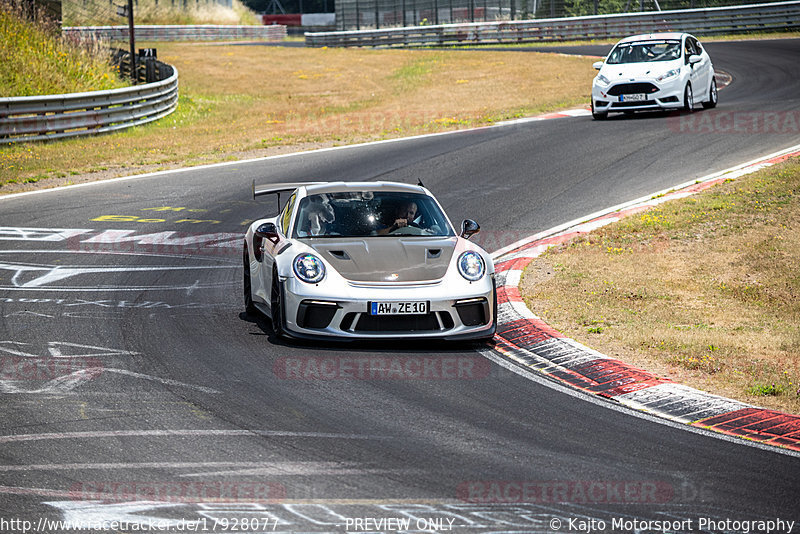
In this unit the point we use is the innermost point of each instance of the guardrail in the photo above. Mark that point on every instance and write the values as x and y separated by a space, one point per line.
46 117
709 21
203 32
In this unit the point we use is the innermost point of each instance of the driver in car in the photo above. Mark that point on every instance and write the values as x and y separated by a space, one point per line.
404 215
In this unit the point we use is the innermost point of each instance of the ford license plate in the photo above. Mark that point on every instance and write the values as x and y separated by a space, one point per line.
409 307
639 97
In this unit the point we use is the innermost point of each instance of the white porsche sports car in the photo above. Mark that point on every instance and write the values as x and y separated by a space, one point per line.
367 260
657 71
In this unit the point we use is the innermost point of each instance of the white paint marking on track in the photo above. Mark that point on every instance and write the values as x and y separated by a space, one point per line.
15 233
58 289
569 113
261 468
87 514
165 381
56 273
184 433
67 383
60 385
56 349
123 253
26 312
301 468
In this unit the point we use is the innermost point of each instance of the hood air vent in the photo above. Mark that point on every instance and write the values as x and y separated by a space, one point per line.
340 254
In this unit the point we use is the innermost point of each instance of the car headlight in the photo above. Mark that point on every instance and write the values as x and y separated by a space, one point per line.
309 268
669 74
471 266
602 80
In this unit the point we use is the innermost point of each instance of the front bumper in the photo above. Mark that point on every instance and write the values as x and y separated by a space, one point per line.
668 95
466 313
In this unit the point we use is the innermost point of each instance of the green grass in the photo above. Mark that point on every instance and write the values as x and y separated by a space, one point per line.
34 61
415 73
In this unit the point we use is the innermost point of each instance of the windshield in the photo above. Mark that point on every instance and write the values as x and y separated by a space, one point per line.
370 214
644 52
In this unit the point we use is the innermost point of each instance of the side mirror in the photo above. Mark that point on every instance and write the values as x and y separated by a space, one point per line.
268 231
694 59
469 228
598 65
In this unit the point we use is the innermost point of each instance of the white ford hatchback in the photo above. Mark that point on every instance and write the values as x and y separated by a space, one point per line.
657 71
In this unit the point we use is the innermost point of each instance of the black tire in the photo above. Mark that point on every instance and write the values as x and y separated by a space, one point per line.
249 307
688 99
598 116
712 95
276 307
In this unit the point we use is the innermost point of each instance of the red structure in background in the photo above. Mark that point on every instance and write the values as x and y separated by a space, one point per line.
285 20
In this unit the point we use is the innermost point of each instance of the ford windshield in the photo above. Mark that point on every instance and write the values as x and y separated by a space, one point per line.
645 51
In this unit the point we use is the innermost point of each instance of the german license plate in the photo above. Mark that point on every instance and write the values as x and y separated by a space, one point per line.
409 307
639 97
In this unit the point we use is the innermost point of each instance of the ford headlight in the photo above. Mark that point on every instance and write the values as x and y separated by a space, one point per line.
669 74
602 80
309 268
471 266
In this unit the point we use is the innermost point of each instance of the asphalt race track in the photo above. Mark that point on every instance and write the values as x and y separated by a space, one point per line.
131 375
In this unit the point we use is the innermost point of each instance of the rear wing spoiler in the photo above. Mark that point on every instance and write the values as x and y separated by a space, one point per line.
277 189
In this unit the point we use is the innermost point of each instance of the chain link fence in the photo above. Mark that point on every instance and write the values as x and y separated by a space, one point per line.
378 14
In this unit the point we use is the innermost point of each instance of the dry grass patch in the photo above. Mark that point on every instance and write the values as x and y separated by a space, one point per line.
248 101
704 290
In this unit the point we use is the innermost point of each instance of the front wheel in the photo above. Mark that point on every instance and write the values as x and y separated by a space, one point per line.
712 95
596 115
688 99
277 306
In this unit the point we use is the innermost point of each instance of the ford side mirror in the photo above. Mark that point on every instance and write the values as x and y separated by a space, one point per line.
597 65
268 231
694 59
469 228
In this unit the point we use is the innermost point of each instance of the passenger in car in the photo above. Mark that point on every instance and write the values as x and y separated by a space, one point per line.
315 218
